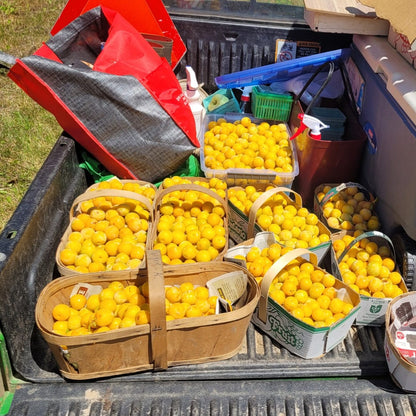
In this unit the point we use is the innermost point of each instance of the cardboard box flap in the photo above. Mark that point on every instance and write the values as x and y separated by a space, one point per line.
344 16
401 14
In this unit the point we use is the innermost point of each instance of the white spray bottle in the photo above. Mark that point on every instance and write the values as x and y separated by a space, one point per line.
315 125
194 98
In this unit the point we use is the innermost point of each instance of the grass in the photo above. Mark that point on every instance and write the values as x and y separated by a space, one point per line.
27 131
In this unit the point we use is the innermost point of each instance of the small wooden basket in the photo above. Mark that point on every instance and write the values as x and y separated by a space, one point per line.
154 346
86 196
162 192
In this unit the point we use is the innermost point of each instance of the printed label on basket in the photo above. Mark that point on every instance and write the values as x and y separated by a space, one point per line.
248 176
86 289
229 288
297 337
403 327
238 224
372 311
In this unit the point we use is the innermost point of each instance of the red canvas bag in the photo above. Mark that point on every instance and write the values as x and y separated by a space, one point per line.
113 94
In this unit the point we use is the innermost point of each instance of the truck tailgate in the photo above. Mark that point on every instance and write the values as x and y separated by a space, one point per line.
231 397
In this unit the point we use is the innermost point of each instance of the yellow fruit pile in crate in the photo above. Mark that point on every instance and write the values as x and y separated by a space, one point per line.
257 254
191 221
347 206
293 225
123 306
368 266
247 145
308 293
108 228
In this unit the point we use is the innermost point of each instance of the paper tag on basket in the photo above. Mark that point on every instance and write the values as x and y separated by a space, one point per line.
263 239
343 295
229 288
86 289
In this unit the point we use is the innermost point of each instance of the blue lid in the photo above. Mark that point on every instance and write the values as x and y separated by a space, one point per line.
279 71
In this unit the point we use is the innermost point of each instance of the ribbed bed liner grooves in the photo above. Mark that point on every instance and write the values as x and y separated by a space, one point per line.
348 397
361 354
237 46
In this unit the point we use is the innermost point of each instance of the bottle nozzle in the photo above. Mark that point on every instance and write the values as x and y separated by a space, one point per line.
191 81
315 125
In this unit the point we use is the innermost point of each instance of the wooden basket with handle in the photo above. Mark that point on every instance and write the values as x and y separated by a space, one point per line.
163 192
154 346
87 196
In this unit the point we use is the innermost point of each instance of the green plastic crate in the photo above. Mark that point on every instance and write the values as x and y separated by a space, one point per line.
271 106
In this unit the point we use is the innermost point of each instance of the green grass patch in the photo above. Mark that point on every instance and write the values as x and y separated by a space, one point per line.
27 131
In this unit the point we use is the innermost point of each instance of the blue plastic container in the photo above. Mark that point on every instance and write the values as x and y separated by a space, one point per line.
280 71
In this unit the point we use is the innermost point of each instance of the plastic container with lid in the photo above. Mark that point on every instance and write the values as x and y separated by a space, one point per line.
239 176
279 71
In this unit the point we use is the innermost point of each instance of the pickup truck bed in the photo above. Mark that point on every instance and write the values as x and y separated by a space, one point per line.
262 378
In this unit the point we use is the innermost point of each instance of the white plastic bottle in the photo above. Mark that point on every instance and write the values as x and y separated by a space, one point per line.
194 99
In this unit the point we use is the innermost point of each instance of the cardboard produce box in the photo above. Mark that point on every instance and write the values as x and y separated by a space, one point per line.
243 227
401 43
401 16
373 309
297 336
400 341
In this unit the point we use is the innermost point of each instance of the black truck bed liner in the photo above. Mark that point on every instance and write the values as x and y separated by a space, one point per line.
262 378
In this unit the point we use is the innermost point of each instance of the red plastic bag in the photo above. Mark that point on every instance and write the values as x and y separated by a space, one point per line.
146 16
129 111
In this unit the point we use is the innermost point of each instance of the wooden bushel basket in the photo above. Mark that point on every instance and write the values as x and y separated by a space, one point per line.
153 346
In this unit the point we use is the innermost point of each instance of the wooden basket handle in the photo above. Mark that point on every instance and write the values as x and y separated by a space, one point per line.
261 200
188 187
86 196
158 334
336 189
368 234
275 268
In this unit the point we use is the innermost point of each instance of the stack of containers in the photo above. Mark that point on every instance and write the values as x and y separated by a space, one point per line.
334 118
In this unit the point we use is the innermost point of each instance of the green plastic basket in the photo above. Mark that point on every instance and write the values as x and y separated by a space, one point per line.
271 106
